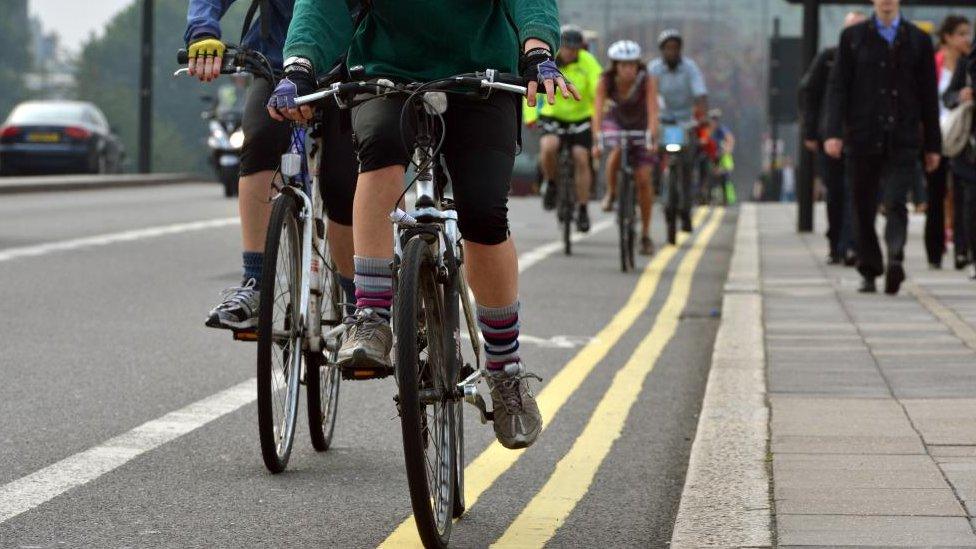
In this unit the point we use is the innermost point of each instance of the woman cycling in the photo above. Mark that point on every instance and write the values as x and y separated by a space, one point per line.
626 99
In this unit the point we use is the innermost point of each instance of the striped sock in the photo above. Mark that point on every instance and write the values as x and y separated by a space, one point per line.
253 265
374 284
500 328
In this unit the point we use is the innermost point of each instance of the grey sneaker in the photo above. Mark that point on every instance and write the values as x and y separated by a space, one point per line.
368 342
518 421
238 308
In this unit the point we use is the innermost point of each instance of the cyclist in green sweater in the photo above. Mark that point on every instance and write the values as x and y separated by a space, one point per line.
419 40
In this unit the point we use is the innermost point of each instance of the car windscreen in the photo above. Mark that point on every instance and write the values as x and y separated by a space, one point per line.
47 113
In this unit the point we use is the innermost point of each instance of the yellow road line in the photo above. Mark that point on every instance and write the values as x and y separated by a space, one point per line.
495 460
574 473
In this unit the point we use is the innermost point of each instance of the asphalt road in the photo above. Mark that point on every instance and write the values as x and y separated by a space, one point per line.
102 331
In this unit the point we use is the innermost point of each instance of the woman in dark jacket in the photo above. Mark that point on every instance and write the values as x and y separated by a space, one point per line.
963 166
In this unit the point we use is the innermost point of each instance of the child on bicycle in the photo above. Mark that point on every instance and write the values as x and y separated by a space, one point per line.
626 99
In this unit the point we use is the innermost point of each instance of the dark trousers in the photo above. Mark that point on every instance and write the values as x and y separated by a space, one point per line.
962 239
899 170
935 215
840 232
965 211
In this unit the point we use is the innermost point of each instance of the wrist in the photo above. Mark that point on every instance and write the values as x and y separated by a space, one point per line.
535 43
298 64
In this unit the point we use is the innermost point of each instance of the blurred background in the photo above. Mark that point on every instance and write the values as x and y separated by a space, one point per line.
70 49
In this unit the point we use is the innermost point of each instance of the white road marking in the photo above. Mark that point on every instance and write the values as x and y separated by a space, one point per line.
36 488
112 238
30 491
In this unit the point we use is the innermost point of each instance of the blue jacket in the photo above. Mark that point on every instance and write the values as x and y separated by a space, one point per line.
203 19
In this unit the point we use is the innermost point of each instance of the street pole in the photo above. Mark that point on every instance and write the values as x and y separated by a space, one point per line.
145 89
804 180
773 115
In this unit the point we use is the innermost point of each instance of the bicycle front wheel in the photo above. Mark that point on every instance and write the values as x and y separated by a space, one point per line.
323 375
427 411
279 336
625 220
567 198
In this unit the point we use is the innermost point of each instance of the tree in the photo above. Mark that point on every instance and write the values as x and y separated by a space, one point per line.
108 75
14 43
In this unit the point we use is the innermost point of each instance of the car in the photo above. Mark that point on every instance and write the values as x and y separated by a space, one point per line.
58 137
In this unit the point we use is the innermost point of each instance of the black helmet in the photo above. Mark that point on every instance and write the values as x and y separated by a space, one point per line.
571 36
667 35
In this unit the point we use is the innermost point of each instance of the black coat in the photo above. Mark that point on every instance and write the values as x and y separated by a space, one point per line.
813 95
963 165
884 97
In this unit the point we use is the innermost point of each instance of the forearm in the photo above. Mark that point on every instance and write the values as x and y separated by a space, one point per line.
203 18
535 20
320 31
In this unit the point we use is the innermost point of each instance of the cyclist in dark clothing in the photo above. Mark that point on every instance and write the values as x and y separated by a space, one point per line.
264 142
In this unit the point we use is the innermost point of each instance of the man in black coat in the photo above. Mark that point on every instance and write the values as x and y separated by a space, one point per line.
813 97
882 112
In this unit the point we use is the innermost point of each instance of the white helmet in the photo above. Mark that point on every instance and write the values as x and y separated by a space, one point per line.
624 50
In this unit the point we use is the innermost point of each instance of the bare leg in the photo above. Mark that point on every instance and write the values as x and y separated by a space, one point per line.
492 273
376 193
549 153
584 174
613 167
254 204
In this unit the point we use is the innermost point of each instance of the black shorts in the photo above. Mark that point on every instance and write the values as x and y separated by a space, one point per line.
479 153
583 139
266 139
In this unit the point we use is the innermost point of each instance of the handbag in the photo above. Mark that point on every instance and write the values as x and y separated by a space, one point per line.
957 127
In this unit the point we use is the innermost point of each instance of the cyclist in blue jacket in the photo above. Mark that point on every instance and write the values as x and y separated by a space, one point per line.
264 142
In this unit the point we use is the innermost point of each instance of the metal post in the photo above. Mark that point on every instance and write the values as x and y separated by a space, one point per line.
773 120
805 171
145 89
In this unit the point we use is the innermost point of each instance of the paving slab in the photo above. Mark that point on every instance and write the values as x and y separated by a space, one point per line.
944 421
898 531
832 500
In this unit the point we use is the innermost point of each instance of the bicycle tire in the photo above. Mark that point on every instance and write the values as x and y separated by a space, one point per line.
416 323
277 435
567 193
625 221
675 176
323 377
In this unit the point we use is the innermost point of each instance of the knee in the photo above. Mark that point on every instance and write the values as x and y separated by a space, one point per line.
581 157
548 145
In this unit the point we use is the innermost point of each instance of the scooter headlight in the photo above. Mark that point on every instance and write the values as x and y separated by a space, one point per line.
237 139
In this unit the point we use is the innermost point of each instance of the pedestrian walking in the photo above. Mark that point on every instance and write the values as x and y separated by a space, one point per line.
958 94
813 97
882 114
955 38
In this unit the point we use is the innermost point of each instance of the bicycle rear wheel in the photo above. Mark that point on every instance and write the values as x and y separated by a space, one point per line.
323 376
279 336
427 411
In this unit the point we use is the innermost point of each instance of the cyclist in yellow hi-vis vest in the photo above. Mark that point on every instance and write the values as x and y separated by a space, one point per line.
584 71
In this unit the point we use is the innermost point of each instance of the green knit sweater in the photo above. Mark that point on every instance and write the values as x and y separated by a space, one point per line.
421 40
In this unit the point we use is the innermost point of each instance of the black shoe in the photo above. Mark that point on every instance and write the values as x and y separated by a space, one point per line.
834 259
850 259
894 276
548 196
868 286
933 266
961 262
583 220
686 221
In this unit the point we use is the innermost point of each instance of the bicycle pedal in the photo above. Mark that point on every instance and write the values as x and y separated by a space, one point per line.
246 335
367 372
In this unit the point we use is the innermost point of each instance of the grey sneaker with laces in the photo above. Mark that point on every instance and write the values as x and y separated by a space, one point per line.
368 342
238 308
518 421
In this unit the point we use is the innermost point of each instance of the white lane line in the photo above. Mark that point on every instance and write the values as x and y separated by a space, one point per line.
36 488
112 238
28 492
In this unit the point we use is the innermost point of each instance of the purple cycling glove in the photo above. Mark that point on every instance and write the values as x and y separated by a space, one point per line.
298 81
538 65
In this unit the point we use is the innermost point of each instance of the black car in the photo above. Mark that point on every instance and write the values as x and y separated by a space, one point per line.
58 137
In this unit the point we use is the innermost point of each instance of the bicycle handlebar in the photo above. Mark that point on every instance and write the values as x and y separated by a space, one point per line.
489 79
235 61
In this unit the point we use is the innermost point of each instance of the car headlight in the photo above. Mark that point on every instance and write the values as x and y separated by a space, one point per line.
237 139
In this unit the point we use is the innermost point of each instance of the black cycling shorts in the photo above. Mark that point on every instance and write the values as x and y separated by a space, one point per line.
266 139
583 139
479 154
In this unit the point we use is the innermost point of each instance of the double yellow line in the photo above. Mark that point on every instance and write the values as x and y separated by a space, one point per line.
495 460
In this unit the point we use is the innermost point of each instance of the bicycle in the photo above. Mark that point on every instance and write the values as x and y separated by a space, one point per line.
566 179
430 295
674 146
300 297
626 190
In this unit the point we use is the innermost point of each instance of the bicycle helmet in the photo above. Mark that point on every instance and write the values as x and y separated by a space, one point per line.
571 36
667 35
624 50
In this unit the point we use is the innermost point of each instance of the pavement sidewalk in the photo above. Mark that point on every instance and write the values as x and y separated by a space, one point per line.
871 403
